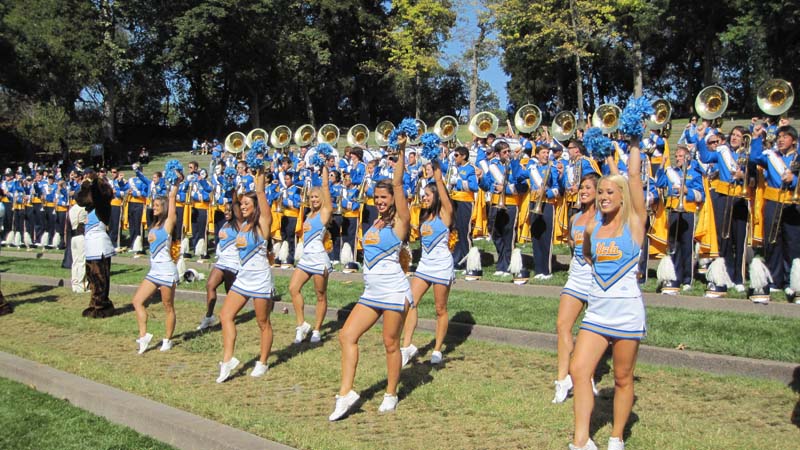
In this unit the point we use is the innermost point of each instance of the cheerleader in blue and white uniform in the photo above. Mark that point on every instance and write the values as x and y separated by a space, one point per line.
576 291
435 267
253 280
386 294
615 312
314 262
227 265
163 275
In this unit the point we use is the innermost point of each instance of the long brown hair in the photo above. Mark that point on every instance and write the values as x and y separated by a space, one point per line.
256 211
162 217
388 216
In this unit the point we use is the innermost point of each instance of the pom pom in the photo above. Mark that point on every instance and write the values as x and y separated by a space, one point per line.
632 116
598 145
229 179
259 147
317 160
171 170
320 157
408 126
254 159
430 146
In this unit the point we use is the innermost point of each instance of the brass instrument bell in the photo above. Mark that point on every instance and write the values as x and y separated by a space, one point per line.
661 115
235 142
328 134
357 135
421 129
606 118
563 126
711 102
382 132
528 118
775 97
304 136
483 124
280 136
446 128
255 135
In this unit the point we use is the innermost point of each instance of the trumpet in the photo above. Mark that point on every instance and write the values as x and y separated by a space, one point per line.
446 128
357 135
304 136
483 124
280 136
382 132
711 102
528 118
304 197
563 126
606 117
542 191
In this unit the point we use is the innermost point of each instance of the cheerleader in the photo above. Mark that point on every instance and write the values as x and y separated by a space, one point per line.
163 275
576 291
615 312
314 262
253 281
435 267
386 294
227 265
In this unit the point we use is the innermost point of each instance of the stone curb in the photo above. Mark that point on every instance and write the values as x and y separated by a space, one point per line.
165 423
707 362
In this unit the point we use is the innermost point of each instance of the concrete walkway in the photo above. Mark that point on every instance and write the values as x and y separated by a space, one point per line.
712 363
167 424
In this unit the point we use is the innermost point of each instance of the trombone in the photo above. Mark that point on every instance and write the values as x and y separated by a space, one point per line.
421 129
541 193
483 124
528 118
357 135
563 126
382 132
235 142
606 118
304 136
328 134
446 128
280 136
741 161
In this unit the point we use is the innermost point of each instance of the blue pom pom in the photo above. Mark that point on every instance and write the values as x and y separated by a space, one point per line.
317 160
636 110
407 126
430 146
170 173
598 145
258 147
325 150
254 159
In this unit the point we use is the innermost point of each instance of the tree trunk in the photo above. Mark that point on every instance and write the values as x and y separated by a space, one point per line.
709 59
110 114
592 80
578 77
255 110
417 96
474 78
309 106
637 67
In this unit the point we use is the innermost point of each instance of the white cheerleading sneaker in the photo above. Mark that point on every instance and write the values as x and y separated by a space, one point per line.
343 405
143 342
301 332
389 403
225 369
259 370
563 388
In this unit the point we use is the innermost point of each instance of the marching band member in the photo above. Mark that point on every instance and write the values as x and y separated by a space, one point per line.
163 275
62 206
6 186
463 186
200 195
292 201
781 245
656 143
350 219
139 187
435 267
615 311
504 181
49 188
314 262
120 188
687 176
253 281
544 178
576 291
335 225
95 195
30 190
386 292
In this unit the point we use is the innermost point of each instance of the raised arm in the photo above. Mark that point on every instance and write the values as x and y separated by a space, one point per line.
638 210
446 214
265 221
172 196
402 222
326 210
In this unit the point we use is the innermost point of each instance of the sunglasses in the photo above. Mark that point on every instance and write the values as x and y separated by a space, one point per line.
713 142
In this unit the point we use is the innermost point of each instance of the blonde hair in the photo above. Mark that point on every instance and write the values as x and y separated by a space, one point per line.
622 183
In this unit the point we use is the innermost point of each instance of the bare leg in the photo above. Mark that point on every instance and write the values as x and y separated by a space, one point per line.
321 287
299 279
588 351
361 319
569 308
215 278
625 352
263 308
168 299
441 293
234 302
146 289
392 326
418 289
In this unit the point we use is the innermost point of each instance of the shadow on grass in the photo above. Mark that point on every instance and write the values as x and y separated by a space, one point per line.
128 308
795 385
32 291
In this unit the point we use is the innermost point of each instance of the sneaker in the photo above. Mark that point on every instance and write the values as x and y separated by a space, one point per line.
301 332
789 292
436 357
166 344
546 277
259 370
590 445
143 342
408 353
343 405
686 287
538 276
315 336
388 404
206 322
739 288
225 369
563 387
615 444
499 273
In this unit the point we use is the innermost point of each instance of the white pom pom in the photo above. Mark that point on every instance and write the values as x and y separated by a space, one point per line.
181 266
794 276
515 266
283 253
298 251
18 239
346 255
45 239
666 270
28 240
474 259
718 274
759 275
137 244
200 249
57 240
184 246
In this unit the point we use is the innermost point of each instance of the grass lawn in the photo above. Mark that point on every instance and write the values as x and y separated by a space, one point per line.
748 335
484 396
34 420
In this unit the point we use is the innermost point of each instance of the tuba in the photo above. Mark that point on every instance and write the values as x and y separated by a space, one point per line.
563 126
235 143
304 136
775 97
328 134
255 135
711 102
483 124
421 129
528 118
606 117
357 135
382 132
446 128
660 118
280 137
